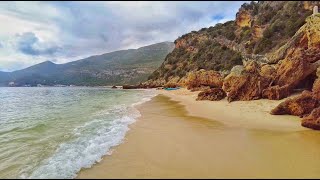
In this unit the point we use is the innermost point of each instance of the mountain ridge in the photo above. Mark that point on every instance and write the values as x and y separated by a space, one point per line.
97 70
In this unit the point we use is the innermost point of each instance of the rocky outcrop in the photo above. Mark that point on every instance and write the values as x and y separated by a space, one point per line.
297 60
292 72
299 106
276 92
243 18
306 105
246 83
214 94
312 120
303 45
203 78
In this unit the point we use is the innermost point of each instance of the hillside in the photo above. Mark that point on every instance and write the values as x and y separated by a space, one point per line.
260 28
271 51
119 67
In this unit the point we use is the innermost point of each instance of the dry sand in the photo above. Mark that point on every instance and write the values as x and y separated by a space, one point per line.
251 114
182 139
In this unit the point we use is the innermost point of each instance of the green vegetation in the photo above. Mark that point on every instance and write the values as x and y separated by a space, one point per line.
277 21
283 23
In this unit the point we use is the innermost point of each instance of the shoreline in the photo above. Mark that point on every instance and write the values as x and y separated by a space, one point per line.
171 138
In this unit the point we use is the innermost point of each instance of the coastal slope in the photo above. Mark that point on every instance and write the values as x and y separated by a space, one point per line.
270 51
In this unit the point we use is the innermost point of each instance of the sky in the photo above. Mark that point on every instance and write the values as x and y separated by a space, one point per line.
33 32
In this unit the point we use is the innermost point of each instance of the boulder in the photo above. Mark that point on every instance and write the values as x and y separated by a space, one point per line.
244 18
276 92
214 94
312 120
203 78
298 106
294 71
246 84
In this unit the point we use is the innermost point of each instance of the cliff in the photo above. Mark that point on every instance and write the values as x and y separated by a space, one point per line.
258 30
270 51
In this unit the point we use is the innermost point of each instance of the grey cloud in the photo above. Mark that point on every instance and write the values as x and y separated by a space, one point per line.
89 28
26 43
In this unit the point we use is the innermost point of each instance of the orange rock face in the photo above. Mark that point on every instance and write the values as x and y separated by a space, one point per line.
243 18
203 78
312 120
180 43
247 85
300 56
292 72
299 106
214 94
276 92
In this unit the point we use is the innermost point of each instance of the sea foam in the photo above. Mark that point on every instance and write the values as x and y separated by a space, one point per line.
86 150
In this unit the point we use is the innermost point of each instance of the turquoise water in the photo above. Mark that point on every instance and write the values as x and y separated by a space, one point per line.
50 132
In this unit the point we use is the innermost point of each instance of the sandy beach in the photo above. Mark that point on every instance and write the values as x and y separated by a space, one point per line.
178 137
250 114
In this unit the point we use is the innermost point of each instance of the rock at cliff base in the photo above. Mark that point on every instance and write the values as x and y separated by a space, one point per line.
312 120
203 78
298 106
214 94
276 92
247 84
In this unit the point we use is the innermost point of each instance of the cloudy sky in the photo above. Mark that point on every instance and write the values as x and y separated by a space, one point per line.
33 32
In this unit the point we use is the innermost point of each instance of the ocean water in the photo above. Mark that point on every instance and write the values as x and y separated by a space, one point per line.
53 132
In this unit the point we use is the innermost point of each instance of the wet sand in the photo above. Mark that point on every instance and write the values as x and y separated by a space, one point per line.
167 141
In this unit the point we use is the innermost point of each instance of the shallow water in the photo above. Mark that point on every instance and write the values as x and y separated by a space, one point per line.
52 132
168 143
